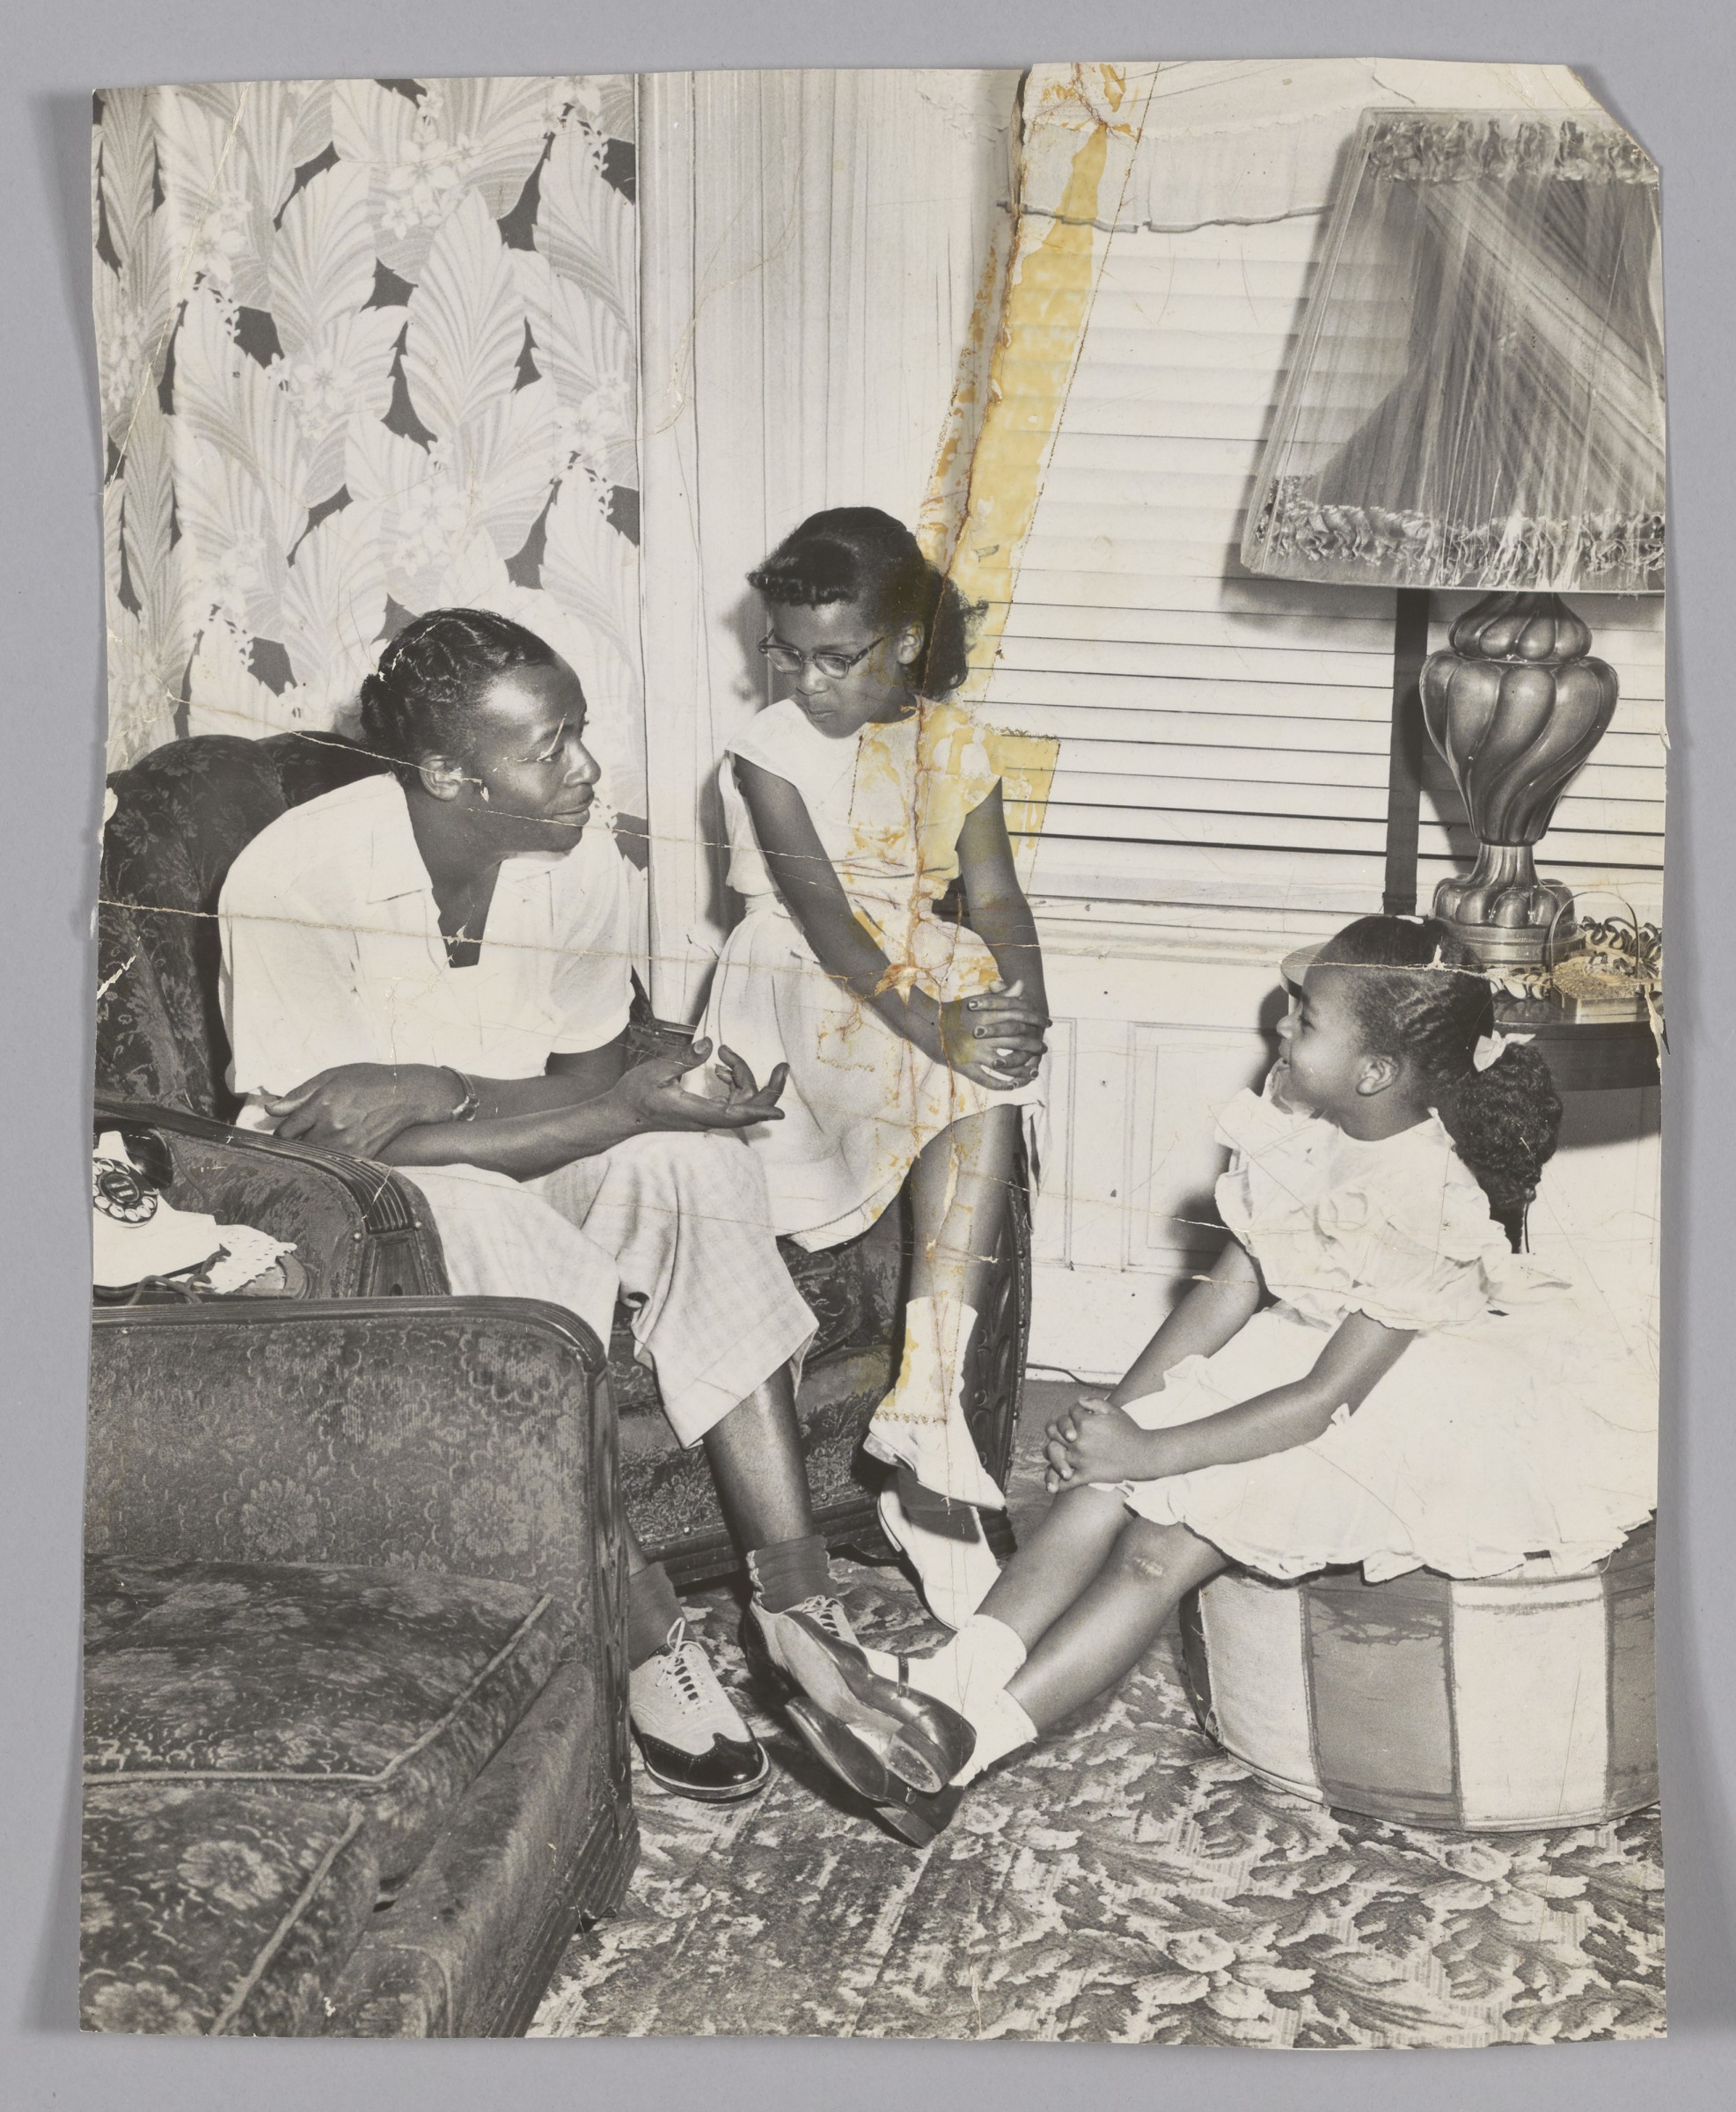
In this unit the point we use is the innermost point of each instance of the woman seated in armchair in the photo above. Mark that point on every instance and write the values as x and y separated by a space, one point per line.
431 968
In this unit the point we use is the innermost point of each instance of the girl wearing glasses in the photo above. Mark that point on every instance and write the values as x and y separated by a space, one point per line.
854 804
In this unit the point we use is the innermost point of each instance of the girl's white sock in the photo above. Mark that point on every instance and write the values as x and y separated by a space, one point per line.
974 1668
1002 1727
920 1424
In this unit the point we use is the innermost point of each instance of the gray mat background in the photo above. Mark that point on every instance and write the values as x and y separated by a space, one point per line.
1667 69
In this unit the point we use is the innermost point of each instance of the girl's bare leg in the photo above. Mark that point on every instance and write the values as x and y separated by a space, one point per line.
1056 1563
959 1199
1114 1621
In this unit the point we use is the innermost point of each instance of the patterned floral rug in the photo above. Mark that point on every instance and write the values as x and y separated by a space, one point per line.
1127 1882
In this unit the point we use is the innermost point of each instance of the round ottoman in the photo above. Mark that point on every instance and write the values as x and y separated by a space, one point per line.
1521 1702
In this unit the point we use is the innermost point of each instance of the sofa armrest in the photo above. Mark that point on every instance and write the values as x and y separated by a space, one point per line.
466 1435
361 1229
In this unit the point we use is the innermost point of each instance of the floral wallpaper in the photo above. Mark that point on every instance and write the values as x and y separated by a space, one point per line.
364 347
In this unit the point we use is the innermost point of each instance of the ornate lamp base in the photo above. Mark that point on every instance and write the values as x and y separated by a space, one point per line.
1502 910
1515 704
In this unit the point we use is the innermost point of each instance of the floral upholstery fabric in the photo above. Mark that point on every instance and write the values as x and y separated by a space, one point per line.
546 1823
218 1908
413 1435
379 1541
386 1689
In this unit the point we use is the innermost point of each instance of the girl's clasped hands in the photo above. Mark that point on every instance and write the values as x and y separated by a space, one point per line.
997 1037
1094 1441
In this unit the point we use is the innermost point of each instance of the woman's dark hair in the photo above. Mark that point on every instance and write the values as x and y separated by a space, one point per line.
857 554
1422 994
431 676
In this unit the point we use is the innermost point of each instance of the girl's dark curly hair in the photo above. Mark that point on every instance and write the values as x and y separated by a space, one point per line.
858 554
431 677
1421 995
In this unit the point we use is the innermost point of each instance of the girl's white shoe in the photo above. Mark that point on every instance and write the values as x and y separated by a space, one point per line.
956 1570
920 1424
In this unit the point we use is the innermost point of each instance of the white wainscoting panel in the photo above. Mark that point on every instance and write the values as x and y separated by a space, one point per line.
1143 1050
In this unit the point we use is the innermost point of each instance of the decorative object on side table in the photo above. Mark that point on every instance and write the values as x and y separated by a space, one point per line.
1477 401
1594 1004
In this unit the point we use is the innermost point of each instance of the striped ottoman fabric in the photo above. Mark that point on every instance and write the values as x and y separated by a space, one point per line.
1521 1702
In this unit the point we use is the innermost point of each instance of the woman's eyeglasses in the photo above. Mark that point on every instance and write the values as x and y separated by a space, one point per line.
790 660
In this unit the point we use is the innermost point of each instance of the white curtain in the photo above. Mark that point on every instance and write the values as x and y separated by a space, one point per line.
817 286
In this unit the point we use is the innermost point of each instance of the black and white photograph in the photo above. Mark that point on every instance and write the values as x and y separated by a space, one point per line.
875 1167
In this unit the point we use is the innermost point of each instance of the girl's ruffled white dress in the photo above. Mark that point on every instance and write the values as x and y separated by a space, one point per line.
1517 1423
887 804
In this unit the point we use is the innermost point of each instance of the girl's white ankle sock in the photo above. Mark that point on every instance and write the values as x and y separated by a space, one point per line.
968 1672
1002 1727
920 1424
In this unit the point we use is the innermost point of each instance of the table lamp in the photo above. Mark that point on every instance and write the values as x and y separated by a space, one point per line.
1477 401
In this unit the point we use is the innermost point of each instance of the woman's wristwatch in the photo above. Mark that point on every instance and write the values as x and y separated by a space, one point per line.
465 1110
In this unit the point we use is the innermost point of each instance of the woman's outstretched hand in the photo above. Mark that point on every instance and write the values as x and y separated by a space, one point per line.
360 1107
1097 1441
653 1095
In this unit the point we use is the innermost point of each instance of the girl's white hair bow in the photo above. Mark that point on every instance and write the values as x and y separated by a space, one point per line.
1491 1047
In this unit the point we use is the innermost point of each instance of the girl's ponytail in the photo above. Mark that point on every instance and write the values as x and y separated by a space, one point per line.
1504 1122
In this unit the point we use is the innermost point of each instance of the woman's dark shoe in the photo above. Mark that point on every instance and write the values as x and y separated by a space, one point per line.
689 1736
917 1739
916 1815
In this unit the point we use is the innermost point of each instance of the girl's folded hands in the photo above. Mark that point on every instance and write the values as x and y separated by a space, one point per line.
996 1037
1094 1441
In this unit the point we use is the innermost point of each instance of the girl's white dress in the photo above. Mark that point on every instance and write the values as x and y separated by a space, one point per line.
1517 1423
888 803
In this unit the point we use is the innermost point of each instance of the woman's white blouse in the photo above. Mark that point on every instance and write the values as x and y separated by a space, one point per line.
333 953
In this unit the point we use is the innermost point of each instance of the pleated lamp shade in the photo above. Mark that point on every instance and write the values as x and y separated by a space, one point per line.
1477 397
1477 401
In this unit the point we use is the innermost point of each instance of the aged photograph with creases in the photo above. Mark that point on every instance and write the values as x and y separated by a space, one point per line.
876 1158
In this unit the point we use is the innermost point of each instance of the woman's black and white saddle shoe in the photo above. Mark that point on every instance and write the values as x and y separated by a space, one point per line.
690 1735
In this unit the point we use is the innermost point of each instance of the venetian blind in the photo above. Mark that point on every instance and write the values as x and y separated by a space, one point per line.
1224 739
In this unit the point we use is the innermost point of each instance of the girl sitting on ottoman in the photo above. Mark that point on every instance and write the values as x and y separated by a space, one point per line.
1370 1374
